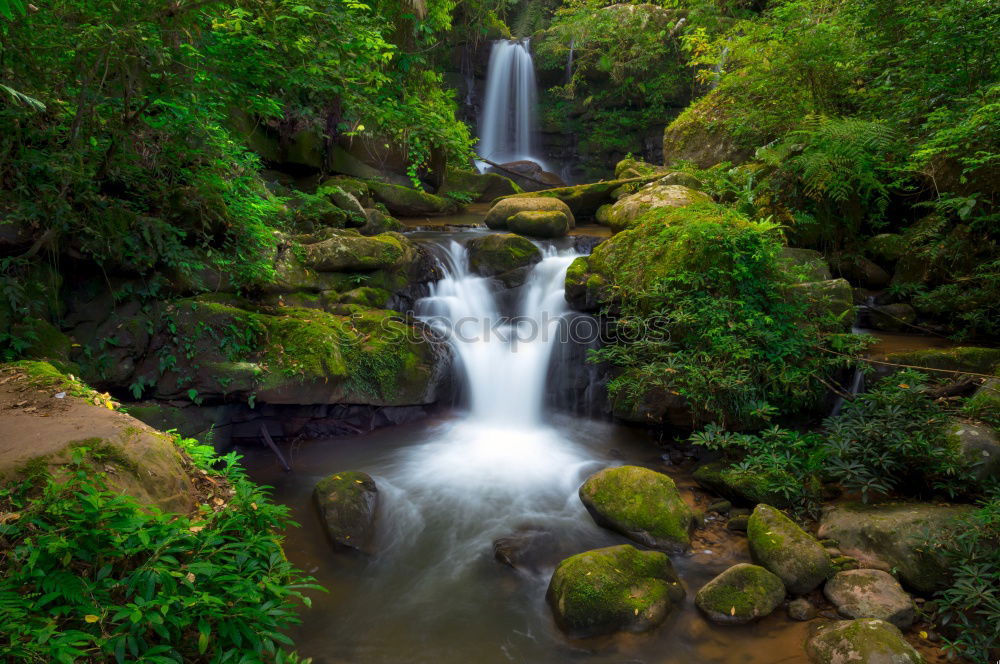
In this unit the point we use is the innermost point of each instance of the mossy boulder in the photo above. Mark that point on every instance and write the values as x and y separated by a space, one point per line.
747 488
866 641
539 223
344 200
43 340
498 253
614 589
979 445
347 504
377 222
782 547
483 187
985 402
870 593
906 538
627 210
741 594
961 358
887 247
701 134
641 504
807 265
349 252
501 212
585 199
408 202
830 301
636 168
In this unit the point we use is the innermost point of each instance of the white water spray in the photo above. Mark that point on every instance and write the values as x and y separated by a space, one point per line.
507 127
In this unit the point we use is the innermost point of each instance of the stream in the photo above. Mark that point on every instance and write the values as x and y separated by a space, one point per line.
450 485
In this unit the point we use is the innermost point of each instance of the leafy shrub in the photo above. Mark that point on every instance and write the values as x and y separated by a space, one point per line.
90 575
968 611
892 438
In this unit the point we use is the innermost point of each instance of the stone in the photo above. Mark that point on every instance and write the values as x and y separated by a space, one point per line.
801 610
898 317
906 538
539 223
497 253
738 523
641 504
378 222
484 187
408 202
628 209
700 134
347 504
630 167
783 548
860 271
345 200
742 594
618 588
807 264
356 253
973 359
526 548
506 208
746 488
870 593
528 175
887 247
980 446
985 402
865 641
584 200
830 301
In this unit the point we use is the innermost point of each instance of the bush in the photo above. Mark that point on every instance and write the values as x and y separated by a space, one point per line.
90 575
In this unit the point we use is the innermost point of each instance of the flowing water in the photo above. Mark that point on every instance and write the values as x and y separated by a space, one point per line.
450 486
507 128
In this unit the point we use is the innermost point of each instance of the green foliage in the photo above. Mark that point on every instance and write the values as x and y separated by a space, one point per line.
968 611
719 329
90 575
892 438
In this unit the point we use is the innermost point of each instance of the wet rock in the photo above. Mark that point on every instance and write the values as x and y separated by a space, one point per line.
641 504
586 199
378 222
528 548
347 504
408 202
528 175
499 215
484 186
614 589
741 594
539 223
738 523
904 537
779 545
866 641
722 507
627 210
979 445
870 593
801 610
351 252
892 317
345 200
495 254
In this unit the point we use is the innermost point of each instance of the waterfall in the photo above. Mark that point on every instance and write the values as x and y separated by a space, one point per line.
569 61
507 126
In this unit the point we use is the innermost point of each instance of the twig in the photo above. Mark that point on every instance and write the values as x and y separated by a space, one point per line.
547 185
274 448
905 366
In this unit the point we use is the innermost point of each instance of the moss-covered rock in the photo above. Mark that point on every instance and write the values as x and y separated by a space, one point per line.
979 445
741 594
627 210
984 404
484 187
866 641
505 208
779 545
886 247
585 199
701 133
831 300
347 504
906 538
746 488
539 223
641 504
43 341
630 167
407 202
498 253
377 222
961 358
348 252
870 593
617 588
807 265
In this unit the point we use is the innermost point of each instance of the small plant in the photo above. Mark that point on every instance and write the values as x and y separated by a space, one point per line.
461 197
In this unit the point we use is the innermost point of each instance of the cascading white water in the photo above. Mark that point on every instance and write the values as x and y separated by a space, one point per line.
507 126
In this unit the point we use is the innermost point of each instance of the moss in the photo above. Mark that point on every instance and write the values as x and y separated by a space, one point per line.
748 488
962 358
496 253
779 545
611 589
539 223
411 202
44 375
641 504
366 296
741 594
100 451
585 199
862 640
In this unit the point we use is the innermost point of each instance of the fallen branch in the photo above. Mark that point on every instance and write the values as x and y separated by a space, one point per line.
515 173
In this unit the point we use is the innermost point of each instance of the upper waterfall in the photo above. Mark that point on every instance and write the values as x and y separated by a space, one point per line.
507 128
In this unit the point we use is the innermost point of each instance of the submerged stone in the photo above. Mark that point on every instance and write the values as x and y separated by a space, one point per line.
618 588
347 503
495 254
641 504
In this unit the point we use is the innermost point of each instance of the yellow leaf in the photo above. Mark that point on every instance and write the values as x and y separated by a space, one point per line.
196 529
190 577
923 634
732 611
91 618
904 386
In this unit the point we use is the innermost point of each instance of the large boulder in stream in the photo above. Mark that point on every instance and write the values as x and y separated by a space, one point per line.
906 538
779 545
618 588
641 504
870 593
627 210
741 594
525 548
506 256
865 641
539 223
499 215
347 504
